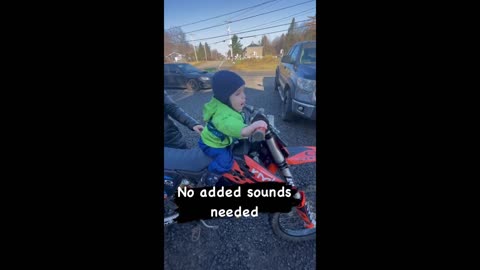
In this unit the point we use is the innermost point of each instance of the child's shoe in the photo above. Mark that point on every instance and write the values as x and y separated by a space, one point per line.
209 179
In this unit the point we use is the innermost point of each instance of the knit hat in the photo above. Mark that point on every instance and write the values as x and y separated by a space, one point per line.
224 84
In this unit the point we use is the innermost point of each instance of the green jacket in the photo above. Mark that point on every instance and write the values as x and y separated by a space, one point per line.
224 119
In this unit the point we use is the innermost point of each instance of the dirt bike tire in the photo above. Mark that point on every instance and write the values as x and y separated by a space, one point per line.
277 229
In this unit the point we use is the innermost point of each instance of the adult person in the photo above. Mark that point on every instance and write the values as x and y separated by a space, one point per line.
172 136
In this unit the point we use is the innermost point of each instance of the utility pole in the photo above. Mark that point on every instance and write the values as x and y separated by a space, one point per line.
230 41
205 48
194 49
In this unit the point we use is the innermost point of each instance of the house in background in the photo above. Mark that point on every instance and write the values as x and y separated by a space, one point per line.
254 51
174 57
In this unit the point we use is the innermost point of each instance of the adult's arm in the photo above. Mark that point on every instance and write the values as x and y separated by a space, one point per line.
177 113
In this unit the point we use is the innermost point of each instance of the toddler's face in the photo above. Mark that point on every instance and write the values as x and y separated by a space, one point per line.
238 99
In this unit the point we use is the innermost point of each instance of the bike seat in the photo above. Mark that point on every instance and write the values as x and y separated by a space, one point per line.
193 160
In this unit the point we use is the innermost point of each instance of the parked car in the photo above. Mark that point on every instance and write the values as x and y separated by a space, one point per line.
186 76
295 81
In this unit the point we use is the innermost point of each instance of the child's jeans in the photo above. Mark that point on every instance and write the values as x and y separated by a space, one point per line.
222 158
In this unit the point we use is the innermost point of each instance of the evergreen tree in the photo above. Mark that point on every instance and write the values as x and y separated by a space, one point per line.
290 37
236 46
200 52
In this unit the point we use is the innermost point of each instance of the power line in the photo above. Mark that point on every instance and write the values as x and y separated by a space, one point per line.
226 14
288 17
247 11
278 31
248 17
265 33
250 31
247 31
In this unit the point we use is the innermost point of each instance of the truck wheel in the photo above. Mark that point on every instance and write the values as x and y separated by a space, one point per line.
287 114
276 85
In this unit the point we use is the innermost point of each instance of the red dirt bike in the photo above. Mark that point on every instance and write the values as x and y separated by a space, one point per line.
263 157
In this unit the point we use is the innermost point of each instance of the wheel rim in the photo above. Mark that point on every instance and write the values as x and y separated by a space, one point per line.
193 85
291 224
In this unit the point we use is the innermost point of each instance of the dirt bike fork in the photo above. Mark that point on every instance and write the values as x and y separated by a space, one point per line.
303 209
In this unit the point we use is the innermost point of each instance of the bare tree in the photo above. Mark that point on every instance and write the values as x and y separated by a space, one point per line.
215 55
310 29
168 46
175 41
278 44
295 33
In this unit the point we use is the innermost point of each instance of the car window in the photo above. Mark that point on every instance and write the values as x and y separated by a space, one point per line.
291 50
308 55
295 53
186 68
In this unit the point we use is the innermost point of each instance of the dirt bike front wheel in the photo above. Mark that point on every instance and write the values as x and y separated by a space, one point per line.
290 226
291 234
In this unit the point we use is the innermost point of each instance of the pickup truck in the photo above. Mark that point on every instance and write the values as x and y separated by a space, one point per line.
295 81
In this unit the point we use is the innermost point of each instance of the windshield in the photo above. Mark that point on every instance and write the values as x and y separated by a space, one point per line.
309 55
188 68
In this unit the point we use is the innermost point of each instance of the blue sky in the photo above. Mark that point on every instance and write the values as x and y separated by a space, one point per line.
181 12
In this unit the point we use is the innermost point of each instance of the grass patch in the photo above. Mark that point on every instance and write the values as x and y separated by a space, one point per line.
266 63
195 63
210 69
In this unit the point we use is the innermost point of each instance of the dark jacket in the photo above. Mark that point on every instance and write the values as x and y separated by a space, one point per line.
171 133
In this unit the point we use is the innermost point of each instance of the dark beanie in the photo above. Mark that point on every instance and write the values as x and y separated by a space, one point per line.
224 84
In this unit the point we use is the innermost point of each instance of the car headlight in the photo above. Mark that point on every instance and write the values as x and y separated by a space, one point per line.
204 78
306 85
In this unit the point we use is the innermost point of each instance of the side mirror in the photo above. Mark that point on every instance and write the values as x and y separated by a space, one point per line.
286 59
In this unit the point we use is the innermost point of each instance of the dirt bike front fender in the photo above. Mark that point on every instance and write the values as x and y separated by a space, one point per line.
301 154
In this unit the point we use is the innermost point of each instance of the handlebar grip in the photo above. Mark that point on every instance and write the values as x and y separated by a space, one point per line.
259 134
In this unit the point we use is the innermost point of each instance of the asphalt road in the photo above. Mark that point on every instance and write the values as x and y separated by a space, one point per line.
242 243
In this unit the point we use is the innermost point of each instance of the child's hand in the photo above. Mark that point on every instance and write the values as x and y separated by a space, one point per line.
198 129
259 124
247 131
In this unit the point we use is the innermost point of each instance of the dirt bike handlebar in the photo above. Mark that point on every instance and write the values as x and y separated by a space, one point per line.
249 108
259 134
257 114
